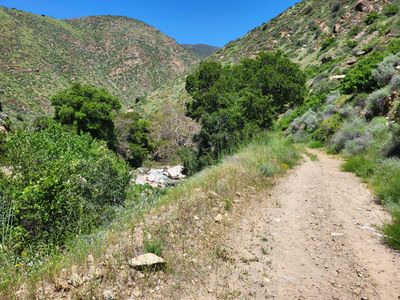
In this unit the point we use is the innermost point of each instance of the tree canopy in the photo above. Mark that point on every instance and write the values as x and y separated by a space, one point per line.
234 103
88 108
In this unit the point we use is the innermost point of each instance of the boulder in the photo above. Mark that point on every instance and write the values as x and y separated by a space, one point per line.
175 172
141 180
146 260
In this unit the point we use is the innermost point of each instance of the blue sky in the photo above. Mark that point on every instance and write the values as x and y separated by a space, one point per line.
214 22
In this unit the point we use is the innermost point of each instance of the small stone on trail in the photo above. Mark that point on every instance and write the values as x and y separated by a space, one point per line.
337 234
218 218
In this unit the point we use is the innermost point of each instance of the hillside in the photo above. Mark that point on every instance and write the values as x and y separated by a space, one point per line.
40 55
314 31
203 51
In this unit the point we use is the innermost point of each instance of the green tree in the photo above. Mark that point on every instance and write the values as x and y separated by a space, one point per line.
89 109
234 103
134 142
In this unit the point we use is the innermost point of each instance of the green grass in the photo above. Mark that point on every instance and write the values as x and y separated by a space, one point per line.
384 177
392 230
360 165
154 246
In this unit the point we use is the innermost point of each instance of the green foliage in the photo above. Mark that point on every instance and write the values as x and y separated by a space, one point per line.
327 128
371 18
361 165
134 142
387 181
88 109
359 78
233 103
154 246
392 230
355 30
391 9
327 43
63 184
394 45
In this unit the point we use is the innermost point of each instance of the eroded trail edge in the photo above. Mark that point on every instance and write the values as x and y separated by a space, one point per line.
313 237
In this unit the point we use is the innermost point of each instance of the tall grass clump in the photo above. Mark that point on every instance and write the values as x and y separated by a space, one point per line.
387 181
392 230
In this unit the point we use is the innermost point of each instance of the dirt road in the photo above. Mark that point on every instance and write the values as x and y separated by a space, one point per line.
313 237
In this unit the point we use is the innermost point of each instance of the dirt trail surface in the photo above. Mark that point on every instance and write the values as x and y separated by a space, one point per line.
313 237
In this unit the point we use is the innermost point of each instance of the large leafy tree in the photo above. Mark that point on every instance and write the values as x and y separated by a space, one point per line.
233 103
90 109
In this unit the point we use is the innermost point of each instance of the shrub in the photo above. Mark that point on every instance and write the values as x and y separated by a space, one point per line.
371 18
327 128
355 30
134 142
90 109
395 82
377 103
391 9
63 184
386 69
394 45
359 78
327 43
351 44
350 130
307 123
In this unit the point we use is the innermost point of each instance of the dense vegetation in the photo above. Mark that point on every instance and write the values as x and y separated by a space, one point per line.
234 103
62 177
62 184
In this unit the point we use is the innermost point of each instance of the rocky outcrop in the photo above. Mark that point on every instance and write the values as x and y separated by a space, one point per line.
161 177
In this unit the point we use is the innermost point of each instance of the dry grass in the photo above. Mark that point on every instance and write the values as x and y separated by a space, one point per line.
183 221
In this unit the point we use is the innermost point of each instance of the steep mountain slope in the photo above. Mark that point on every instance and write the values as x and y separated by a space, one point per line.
312 31
201 50
40 55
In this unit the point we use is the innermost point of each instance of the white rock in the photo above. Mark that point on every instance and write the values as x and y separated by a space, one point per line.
141 180
146 260
108 295
175 172
336 77
337 234
218 218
